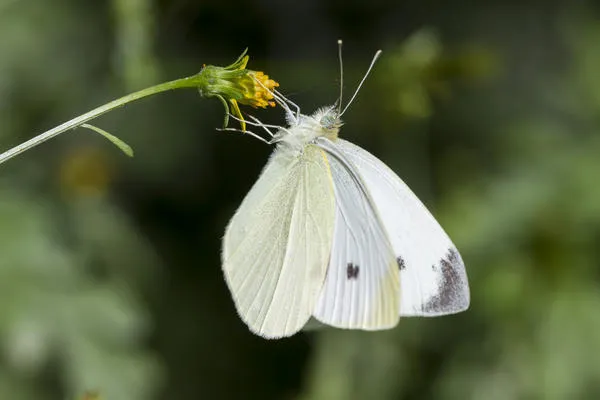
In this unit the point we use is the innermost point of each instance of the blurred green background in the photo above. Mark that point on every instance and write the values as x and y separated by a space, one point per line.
110 275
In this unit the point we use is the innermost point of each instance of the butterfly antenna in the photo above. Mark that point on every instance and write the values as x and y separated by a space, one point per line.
341 76
362 81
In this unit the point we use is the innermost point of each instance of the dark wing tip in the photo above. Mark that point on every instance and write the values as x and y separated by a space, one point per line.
453 291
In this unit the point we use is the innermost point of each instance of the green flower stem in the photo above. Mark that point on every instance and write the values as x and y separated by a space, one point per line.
196 81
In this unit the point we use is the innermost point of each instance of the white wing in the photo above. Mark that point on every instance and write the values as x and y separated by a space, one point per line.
433 280
277 245
362 288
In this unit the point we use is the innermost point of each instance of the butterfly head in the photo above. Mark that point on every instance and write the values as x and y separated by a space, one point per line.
330 119
326 122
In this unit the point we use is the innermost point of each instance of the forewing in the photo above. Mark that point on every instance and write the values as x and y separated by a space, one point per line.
277 245
362 288
433 279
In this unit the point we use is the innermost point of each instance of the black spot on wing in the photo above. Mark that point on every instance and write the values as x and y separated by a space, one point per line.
401 263
352 271
451 284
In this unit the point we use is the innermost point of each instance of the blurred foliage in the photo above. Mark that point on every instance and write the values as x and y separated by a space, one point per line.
134 32
110 278
422 72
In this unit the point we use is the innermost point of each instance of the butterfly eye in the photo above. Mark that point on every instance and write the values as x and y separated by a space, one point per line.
330 121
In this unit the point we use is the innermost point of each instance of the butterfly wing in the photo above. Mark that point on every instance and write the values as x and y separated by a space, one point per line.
433 280
277 245
362 287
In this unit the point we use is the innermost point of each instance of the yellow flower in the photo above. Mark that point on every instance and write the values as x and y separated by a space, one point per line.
261 93
235 84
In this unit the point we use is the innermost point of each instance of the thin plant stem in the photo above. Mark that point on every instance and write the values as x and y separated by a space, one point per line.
189 82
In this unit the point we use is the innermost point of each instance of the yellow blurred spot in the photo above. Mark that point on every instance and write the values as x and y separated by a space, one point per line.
85 172
92 395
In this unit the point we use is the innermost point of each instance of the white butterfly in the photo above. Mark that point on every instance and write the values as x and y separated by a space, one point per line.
329 231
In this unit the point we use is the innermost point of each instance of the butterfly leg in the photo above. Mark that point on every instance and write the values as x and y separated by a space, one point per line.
282 101
256 122
288 101
254 135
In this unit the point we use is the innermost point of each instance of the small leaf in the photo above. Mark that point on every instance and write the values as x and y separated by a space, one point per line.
125 148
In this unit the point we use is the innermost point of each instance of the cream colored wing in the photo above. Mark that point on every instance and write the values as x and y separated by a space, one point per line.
276 247
433 280
362 288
